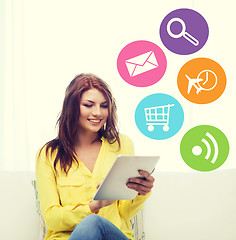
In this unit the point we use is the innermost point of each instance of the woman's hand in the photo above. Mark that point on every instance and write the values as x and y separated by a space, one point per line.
96 205
141 185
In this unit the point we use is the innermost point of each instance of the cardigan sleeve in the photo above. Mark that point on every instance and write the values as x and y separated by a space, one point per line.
129 208
56 216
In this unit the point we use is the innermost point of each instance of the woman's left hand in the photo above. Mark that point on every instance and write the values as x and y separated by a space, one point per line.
141 185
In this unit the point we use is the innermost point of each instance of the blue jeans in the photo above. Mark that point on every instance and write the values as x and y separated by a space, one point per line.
95 227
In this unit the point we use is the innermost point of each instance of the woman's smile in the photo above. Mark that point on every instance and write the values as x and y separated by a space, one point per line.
95 121
93 110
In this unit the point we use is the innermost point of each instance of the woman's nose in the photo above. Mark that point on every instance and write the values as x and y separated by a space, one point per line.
96 111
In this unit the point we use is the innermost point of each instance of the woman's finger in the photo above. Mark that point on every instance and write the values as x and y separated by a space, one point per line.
140 181
139 188
148 176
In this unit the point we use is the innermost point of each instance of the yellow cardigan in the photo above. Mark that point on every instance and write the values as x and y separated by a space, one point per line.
64 200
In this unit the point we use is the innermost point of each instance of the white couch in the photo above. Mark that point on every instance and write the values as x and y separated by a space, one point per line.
192 206
183 206
19 218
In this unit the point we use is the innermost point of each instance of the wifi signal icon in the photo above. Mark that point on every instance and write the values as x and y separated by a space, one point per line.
197 150
204 148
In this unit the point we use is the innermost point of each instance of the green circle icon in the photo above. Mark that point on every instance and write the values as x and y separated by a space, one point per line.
204 148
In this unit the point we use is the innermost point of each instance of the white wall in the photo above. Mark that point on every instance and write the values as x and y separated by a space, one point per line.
64 38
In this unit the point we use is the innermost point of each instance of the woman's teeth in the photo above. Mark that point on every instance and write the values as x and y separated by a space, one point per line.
95 121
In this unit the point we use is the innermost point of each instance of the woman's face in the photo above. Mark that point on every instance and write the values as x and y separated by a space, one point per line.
93 110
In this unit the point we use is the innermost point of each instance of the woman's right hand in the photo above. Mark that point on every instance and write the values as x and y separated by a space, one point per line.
96 205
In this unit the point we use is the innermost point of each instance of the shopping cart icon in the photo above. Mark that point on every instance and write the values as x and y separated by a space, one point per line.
158 116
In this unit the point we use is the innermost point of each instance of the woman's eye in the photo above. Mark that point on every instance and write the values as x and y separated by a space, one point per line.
104 106
88 105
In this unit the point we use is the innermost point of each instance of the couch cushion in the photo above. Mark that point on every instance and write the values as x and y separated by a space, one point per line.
192 205
19 218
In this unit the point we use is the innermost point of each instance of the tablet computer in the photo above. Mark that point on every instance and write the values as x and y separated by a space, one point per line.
113 186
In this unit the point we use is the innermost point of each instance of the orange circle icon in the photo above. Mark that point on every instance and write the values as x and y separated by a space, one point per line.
201 80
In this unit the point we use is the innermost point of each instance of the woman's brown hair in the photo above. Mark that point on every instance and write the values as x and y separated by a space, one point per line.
69 116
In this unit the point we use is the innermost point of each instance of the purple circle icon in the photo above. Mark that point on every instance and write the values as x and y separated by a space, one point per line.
184 31
141 63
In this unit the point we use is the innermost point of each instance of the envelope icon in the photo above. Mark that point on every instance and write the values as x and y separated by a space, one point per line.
141 63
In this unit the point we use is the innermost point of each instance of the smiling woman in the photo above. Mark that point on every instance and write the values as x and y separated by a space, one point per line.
70 167
79 97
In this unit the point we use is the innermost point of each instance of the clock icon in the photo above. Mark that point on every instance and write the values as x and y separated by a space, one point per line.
208 80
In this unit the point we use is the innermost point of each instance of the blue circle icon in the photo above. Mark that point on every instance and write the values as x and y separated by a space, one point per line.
159 116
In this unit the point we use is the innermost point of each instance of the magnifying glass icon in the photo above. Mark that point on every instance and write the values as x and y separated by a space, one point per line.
183 33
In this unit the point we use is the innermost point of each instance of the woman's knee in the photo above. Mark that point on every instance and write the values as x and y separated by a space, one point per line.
88 228
89 222
95 227
92 219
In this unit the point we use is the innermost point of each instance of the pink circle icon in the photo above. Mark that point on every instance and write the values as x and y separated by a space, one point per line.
141 63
